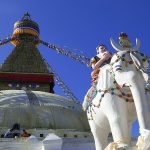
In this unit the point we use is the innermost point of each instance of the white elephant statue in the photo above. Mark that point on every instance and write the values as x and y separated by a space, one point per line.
111 110
130 69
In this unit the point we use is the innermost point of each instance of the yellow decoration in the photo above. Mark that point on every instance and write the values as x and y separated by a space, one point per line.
25 30
19 31
114 145
140 142
124 41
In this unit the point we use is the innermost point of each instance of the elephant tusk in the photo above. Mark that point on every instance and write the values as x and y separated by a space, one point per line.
137 46
117 47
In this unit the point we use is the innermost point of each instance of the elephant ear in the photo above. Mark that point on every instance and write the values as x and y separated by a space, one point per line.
137 46
137 61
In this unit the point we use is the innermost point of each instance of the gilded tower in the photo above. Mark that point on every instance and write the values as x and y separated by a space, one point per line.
25 68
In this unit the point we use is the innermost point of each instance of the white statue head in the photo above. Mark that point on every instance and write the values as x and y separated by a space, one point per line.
101 49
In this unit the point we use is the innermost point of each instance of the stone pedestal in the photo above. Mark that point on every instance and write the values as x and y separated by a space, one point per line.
33 143
52 142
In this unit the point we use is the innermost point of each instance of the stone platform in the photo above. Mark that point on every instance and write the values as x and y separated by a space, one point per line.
53 140
59 144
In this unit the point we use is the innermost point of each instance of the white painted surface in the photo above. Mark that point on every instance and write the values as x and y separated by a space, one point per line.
33 143
52 142
52 111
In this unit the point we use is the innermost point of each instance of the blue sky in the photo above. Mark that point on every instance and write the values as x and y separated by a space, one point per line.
77 25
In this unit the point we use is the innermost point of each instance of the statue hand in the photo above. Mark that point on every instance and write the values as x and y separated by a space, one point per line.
106 56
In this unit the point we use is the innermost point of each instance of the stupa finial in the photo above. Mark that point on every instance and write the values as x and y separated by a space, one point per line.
26 16
25 29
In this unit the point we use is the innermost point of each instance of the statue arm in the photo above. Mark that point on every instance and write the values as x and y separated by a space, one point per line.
105 57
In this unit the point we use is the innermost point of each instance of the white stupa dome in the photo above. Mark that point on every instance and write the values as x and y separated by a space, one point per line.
35 109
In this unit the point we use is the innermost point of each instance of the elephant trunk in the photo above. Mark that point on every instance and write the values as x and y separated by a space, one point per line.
137 84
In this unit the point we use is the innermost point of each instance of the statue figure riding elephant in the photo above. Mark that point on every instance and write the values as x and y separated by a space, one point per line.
119 82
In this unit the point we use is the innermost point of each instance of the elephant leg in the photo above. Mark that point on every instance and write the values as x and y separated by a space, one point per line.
100 130
132 116
115 109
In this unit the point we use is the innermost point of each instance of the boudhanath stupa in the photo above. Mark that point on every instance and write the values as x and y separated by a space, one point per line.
27 95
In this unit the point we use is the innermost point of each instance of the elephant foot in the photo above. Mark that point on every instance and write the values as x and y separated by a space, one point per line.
116 146
143 142
122 144
123 148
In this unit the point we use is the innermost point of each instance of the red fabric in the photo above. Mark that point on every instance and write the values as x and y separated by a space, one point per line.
37 78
